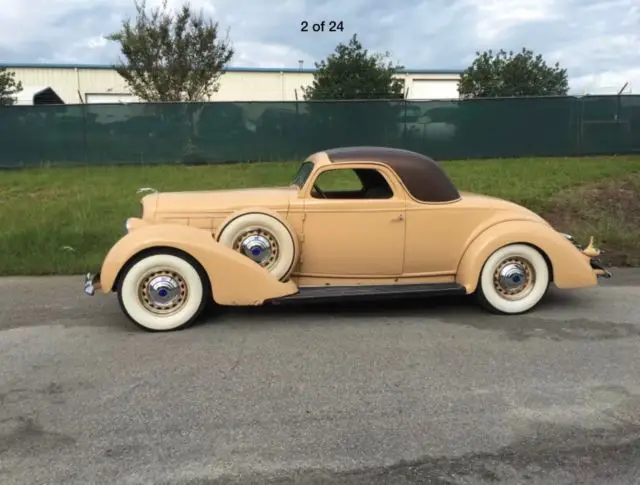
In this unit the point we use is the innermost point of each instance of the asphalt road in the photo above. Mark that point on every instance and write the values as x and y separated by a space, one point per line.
434 392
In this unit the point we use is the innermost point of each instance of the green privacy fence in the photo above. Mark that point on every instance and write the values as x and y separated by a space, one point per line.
263 131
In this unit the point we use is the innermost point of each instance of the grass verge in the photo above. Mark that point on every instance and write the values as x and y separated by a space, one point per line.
609 210
62 221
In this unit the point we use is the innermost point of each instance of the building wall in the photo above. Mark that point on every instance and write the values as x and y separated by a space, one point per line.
101 84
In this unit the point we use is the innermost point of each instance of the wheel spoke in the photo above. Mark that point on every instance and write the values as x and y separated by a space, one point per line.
162 292
514 278
259 245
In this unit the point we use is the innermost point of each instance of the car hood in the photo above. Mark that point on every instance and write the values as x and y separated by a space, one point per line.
217 201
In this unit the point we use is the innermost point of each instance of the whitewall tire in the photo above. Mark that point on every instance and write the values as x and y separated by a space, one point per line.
513 280
263 239
162 291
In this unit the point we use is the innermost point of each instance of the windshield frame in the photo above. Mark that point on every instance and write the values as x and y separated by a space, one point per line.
303 173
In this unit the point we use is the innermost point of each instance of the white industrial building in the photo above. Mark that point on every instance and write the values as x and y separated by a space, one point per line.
75 84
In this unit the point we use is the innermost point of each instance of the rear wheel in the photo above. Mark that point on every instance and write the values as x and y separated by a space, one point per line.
161 292
513 280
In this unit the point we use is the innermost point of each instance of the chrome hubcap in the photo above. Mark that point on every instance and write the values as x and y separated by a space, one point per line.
258 245
514 278
163 292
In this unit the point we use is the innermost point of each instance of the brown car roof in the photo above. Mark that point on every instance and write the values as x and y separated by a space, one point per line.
421 175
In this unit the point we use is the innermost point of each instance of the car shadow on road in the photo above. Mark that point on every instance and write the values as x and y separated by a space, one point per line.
555 318
404 307
462 307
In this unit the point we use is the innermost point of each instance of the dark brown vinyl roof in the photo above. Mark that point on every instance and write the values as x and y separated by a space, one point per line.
422 176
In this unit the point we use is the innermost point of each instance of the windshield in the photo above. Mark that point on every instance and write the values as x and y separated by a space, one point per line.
303 174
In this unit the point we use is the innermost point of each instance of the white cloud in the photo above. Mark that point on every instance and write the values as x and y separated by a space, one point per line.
257 54
206 6
608 82
495 18
96 42
598 41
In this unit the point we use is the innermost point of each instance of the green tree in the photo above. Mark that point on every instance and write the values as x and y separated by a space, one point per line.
372 109
507 74
351 72
8 87
171 56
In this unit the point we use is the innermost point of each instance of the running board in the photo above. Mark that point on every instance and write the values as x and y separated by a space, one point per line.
368 292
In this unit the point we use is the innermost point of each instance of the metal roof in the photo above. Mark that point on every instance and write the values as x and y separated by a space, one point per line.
421 175
18 65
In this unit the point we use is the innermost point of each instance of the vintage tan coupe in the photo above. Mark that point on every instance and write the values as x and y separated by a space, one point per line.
404 229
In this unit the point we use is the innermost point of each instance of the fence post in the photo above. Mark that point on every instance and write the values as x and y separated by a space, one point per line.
84 133
579 125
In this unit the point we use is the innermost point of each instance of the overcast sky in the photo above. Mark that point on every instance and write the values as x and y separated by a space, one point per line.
597 40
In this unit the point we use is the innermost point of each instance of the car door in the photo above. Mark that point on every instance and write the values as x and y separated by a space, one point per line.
352 232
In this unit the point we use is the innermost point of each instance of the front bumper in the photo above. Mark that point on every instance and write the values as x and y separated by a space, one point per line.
91 283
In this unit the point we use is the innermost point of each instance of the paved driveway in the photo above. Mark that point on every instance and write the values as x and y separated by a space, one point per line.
431 393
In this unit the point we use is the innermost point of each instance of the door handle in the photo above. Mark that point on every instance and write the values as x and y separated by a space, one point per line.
398 218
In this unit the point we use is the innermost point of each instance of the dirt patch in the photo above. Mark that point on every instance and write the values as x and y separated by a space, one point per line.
609 211
9 194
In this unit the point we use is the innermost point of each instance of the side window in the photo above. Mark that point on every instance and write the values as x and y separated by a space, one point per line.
339 180
361 183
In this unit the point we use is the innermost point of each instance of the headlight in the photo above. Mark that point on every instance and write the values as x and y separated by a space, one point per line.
133 223
570 238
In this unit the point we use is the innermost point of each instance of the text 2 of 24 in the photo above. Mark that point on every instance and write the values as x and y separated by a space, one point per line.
330 26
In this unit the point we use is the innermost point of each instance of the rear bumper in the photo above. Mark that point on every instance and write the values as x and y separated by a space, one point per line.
91 283
592 253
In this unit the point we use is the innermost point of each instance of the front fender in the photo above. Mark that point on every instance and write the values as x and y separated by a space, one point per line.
569 267
235 279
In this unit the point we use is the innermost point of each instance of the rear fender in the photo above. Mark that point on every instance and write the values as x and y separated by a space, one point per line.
234 278
568 266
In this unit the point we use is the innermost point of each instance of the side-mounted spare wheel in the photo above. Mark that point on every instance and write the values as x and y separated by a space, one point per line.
513 280
264 239
163 291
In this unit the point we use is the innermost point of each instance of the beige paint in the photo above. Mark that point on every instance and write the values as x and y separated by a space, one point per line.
346 242
234 85
228 270
336 232
68 82
570 268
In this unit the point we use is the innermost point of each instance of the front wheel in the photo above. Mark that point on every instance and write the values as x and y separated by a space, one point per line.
161 292
513 280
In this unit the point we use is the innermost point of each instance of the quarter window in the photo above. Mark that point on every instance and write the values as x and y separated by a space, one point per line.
303 173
